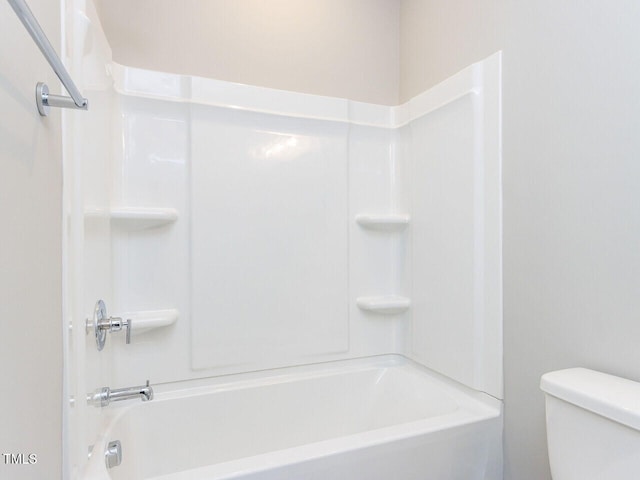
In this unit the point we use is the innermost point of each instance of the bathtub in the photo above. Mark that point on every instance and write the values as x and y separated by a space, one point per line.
378 418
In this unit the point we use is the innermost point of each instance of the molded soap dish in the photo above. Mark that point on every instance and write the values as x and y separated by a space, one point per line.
384 304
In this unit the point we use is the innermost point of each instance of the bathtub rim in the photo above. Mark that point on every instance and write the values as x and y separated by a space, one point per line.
218 383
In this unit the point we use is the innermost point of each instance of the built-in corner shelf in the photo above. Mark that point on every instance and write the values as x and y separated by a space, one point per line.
144 321
387 222
135 218
384 304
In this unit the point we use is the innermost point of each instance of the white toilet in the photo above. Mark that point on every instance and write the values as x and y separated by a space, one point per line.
593 425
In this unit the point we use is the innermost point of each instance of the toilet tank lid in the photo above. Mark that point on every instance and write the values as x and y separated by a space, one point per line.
612 397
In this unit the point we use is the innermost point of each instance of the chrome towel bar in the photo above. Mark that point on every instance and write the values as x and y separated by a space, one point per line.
44 100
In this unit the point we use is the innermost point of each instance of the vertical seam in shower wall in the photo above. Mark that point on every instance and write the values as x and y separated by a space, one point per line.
348 226
408 341
392 285
189 221
393 244
397 241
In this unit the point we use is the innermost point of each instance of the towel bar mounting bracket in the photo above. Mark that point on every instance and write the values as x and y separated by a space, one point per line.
45 100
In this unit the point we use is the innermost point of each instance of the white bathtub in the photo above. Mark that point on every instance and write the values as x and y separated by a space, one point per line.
379 418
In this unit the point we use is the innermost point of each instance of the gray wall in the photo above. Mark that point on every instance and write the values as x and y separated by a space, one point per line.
572 204
571 180
30 252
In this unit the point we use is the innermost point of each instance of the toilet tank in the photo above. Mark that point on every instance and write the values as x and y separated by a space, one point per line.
593 425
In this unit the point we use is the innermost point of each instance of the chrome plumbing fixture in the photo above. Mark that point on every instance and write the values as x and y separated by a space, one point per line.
113 454
101 324
105 395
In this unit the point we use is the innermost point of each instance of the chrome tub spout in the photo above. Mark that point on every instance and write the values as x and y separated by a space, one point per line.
105 395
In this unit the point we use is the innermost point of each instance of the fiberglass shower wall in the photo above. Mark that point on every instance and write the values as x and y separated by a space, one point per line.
264 262
286 228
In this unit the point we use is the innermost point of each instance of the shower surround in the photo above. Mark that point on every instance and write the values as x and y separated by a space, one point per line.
256 235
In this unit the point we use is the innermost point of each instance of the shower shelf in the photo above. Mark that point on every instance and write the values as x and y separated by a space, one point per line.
135 218
143 321
386 222
384 304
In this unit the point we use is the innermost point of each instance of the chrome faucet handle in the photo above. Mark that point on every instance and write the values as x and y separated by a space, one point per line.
115 324
102 325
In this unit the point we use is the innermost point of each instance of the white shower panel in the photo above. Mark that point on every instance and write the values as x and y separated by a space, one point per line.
456 222
268 238
443 257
